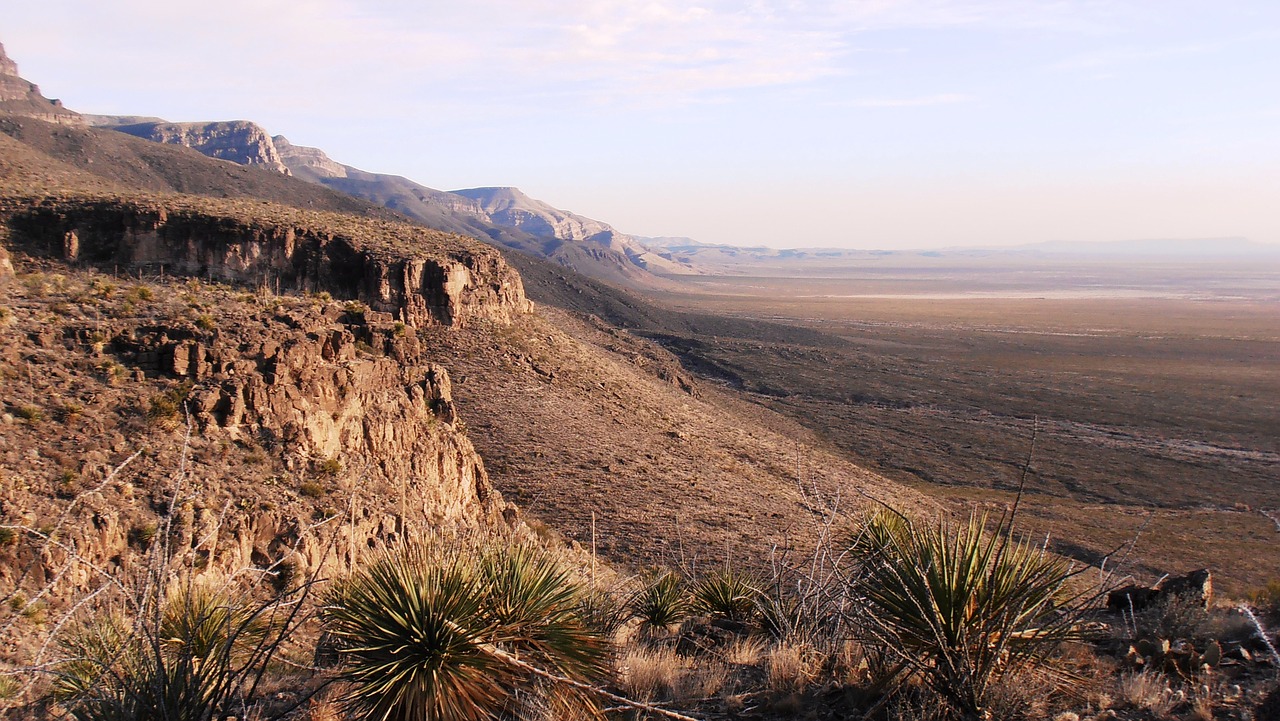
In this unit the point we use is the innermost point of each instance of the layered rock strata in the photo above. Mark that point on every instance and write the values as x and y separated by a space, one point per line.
238 141
419 276
23 98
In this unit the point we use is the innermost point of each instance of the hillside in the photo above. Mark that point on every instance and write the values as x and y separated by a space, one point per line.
560 382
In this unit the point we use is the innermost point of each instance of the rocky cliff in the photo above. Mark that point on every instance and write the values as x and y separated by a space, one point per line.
419 276
23 98
167 384
317 434
238 141
308 163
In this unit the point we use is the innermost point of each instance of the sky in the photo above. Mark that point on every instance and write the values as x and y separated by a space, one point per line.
860 124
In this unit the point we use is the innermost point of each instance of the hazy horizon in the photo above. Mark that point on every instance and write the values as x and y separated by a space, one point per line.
894 124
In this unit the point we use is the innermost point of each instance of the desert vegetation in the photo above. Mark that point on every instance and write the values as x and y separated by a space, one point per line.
895 617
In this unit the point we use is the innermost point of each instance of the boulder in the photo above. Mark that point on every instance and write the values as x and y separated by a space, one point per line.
1196 585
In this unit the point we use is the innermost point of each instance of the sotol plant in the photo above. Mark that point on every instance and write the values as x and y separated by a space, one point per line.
432 635
661 603
959 606
192 654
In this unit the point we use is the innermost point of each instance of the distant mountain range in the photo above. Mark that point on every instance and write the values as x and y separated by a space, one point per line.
504 216
507 217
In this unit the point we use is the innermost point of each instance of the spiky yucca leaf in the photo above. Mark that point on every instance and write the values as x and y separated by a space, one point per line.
661 603
427 635
534 607
728 594
410 629
958 605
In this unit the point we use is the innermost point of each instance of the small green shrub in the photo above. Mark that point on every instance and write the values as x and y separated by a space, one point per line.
29 413
206 322
141 293
164 409
355 308
399 329
329 467
661 603
728 594
311 489
143 534
8 537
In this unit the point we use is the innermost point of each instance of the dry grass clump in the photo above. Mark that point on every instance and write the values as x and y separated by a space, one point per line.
652 674
745 651
793 667
1148 691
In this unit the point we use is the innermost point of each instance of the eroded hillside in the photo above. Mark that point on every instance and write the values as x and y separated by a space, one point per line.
282 431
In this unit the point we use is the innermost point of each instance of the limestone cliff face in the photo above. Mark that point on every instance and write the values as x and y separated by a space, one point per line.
512 208
238 141
420 277
310 163
23 98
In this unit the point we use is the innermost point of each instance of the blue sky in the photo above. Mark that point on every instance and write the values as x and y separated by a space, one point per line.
879 124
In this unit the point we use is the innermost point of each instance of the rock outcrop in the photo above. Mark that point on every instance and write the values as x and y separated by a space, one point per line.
1194 587
23 98
419 276
238 141
270 433
300 413
308 163
510 208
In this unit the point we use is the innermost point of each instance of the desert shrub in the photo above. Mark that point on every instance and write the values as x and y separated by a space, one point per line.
164 409
204 321
660 603
1178 616
143 534
190 655
430 634
355 309
329 467
141 293
311 489
728 594
957 606
1267 598
70 411
29 413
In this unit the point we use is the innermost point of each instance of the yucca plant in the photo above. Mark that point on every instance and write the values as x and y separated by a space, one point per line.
661 603
191 654
960 606
430 635
727 594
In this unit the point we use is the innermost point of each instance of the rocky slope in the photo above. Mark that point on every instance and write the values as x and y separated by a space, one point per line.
22 97
238 141
321 425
